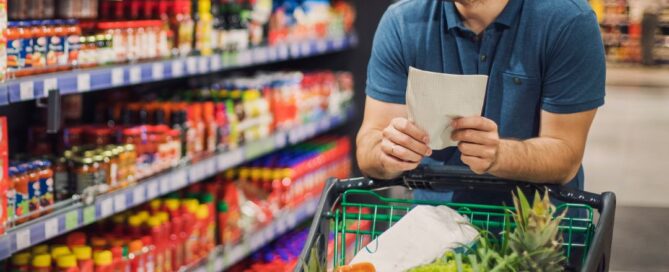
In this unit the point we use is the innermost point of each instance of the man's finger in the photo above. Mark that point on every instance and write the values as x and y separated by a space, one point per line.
394 164
409 128
472 136
406 141
474 122
399 151
475 150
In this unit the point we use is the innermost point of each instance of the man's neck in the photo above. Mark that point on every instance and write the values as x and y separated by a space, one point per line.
479 14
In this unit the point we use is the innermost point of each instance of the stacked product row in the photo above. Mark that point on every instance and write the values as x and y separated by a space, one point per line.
132 30
181 229
131 140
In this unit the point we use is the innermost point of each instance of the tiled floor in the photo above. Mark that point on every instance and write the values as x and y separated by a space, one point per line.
628 153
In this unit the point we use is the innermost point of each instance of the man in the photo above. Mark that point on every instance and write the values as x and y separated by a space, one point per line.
546 67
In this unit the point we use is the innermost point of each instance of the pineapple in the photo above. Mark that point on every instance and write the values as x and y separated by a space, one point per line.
536 239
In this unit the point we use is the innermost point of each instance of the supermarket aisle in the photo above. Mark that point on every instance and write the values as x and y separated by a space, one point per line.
627 153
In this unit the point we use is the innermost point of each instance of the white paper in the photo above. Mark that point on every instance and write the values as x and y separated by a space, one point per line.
435 99
421 236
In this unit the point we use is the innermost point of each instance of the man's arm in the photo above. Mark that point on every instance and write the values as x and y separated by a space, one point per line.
387 143
553 157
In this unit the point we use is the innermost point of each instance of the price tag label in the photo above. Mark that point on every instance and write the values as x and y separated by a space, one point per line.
191 65
279 140
138 194
283 51
71 220
89 215
84 82
177 68
244 58
210 167
229 159
135 74
256 149
179 179
195 172
119 202
338 43
23 239
305 48
260 55
157 71
272 53
312 129
117 76
216 63
295 50
106 207
27 90
50 228
321 46
165 184
203 65
152 189
324 124
50 84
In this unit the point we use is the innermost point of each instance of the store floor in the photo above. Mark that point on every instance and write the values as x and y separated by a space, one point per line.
628 153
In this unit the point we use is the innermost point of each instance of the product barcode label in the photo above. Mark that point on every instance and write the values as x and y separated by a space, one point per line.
50 228
117 76
26 90
84 82
135 74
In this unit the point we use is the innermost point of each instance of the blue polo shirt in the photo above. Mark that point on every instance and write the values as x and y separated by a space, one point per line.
539 55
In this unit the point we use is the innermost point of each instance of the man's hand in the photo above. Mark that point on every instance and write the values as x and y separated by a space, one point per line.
478 142
403 146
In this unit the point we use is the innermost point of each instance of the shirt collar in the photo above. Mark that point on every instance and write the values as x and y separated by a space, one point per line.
506 18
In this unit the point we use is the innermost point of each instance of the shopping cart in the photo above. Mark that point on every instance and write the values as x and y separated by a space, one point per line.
353 208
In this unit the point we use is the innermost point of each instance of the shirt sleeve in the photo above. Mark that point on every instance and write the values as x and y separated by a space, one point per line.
575 74
387 70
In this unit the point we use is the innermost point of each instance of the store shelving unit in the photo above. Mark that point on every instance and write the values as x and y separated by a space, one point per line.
82 81
78 215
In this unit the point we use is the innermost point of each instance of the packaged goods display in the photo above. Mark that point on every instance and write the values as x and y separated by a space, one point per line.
131 141
88 33
621 33
183 228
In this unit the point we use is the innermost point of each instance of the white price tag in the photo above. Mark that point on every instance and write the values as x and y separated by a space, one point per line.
119 202
106 207
138 194
117 76
165 184
279 140
244 57
191 65
272 53
50 84
283 51
321 46
210 167
295 50
324 124
216 63
177 68
50 228
311 129
152 189
229 159
157 71
23 239
203 65
84 82
260 55
338 43
135 74
305 48
27 90
179 179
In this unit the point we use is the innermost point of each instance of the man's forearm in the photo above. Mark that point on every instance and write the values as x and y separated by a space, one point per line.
540 160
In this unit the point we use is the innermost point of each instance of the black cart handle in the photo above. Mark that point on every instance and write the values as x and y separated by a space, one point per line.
461 178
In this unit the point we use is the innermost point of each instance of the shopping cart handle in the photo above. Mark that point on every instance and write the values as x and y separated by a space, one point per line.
455 177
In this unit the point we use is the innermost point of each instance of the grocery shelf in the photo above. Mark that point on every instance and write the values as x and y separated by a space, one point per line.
88 80
223 258
78 215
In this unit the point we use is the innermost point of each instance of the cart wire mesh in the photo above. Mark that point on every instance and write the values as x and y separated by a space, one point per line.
366 220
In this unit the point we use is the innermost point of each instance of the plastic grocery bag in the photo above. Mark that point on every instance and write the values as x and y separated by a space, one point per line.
421 236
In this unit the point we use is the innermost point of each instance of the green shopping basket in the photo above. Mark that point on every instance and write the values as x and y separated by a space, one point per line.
351 213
